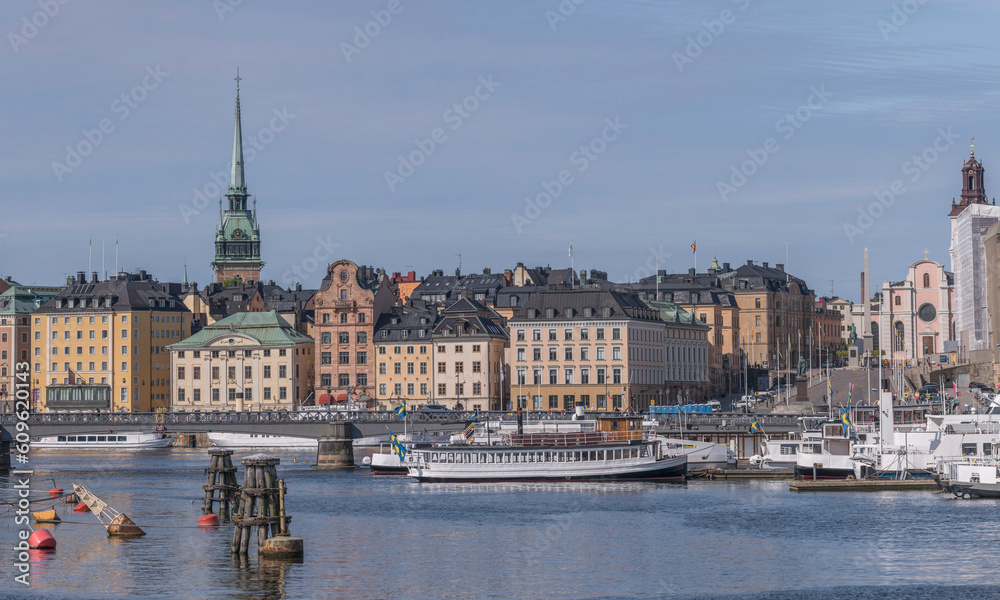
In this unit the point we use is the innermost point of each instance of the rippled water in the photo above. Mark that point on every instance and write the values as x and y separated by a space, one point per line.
389 537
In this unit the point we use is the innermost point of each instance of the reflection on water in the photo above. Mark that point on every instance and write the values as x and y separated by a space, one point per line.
389 537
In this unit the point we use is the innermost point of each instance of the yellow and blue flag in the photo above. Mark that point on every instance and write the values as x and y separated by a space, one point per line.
850 392
401 410
845 417
754 426
397 447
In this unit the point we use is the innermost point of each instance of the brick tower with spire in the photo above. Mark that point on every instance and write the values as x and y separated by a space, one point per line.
237 240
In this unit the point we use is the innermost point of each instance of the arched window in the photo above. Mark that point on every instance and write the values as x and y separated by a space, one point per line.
899 300
927 280
898 343
972 185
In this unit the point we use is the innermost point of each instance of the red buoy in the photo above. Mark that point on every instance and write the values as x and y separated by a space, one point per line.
81 507
42 540
208 521
55 492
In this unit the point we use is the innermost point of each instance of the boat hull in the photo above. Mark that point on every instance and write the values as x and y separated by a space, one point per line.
246 440
669 470
387 464
823 472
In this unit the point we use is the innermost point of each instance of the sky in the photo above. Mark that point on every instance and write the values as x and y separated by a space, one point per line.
427 135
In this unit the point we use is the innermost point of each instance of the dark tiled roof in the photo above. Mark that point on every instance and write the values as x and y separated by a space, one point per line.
404 323
619 305
753 277
122 293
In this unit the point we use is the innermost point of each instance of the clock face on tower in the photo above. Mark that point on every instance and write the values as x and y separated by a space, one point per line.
238 233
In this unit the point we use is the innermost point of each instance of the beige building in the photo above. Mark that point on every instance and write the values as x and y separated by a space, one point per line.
248 361
606 349
469 347
403 349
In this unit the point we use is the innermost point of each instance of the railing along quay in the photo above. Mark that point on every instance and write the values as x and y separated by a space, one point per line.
723 421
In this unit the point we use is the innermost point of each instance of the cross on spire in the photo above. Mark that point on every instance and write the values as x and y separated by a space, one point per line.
237 78
925 254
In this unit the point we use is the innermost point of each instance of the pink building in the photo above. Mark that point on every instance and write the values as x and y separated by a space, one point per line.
918 315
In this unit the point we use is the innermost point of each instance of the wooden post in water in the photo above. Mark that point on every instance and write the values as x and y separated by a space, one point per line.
221 477
258 503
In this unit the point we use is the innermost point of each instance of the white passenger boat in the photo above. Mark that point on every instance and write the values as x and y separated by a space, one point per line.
617 450
105 441
971 478
260 440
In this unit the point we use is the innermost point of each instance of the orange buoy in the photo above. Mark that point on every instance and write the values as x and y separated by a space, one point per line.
81 507
208 521
42 540
55 492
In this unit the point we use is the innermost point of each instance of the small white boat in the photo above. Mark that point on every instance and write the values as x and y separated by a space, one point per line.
105 441
260 440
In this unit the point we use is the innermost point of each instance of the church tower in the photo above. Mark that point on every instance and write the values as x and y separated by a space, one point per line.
237 240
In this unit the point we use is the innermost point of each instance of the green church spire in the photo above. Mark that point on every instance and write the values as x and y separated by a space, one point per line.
237 182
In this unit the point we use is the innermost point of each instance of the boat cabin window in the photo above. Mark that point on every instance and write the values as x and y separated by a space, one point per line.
987 449
61 438
788 449
121 438
434 456
812 449
102 438
91 438
969 449
71 438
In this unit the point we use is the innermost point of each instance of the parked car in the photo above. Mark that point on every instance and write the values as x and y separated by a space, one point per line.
975 385
743 405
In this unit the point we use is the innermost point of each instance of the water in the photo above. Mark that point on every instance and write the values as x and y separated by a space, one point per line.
388 537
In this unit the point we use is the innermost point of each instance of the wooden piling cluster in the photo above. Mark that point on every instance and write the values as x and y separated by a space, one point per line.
261 504
221 478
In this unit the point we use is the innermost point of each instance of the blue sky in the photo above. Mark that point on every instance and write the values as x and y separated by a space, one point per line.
696 88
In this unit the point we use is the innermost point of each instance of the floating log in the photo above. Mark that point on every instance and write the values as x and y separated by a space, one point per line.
118 524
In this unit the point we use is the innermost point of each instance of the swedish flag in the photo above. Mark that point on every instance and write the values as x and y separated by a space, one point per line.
754 426
401 410
397 447
845 417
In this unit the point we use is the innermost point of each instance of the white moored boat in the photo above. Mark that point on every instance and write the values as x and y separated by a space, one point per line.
617 450
105 441
259 440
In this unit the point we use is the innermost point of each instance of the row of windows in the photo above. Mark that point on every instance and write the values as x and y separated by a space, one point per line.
569 401
442 389
326 319
343 337
124 319
536 334
343 358
231 372
233 353
343 380
442 367
569 376
231 394
536 353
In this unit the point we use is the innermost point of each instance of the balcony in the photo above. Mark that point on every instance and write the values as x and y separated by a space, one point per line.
343 304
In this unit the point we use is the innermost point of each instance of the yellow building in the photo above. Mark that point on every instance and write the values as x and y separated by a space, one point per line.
248 361
101 345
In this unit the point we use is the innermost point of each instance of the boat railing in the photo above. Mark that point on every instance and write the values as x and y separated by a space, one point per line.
575 438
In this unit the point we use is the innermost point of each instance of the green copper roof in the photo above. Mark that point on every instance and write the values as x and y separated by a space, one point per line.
267 328
672 313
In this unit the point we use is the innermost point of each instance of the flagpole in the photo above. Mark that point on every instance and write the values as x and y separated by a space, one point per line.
572 267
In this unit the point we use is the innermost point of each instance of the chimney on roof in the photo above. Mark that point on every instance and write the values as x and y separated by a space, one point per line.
487 271
725 267
583 277
780 267
764 264
509 276
93 277
691 271
298 286
142 275
458 271
81 277
749 263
